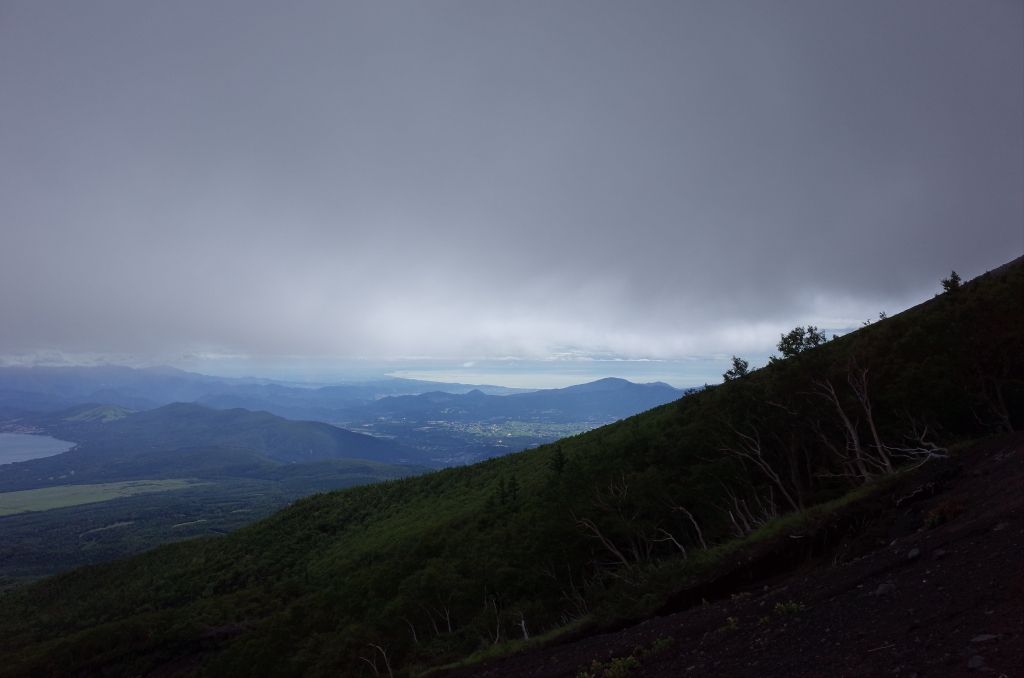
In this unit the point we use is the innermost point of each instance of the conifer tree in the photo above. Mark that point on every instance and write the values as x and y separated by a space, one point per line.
557 463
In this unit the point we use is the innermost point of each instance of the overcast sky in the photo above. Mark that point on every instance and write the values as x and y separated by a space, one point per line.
467 181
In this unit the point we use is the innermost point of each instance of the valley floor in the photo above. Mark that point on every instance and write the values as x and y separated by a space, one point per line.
899 600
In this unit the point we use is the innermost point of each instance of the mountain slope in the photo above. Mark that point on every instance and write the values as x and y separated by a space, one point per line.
602 527
894 599
283 440
240 466
222 491
185 440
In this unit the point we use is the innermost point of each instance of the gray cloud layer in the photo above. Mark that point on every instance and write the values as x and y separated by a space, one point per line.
463 179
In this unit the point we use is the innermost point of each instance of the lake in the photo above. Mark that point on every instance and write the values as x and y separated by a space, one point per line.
22 447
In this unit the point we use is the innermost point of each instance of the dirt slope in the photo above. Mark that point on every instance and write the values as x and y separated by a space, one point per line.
889 598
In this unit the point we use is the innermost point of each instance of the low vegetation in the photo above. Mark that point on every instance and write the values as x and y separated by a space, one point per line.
39 538
73 495
404 575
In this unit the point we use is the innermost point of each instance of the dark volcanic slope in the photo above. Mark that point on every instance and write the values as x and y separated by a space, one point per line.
899 600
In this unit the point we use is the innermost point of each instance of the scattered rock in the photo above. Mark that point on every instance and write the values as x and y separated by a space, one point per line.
938 553
1000 526
985 638
914 553
884 589
976 662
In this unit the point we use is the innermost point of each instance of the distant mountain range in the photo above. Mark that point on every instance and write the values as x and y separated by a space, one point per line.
600 401
425 422
115 434
56 388
239 464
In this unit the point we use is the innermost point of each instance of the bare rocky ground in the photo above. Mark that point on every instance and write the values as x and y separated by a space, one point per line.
884 592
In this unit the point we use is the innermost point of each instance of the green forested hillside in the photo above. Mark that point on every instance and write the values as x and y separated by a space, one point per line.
185 440
189 425
422 571
226 490
230 459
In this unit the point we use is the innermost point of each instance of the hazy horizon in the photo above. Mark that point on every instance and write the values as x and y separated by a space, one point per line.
509 373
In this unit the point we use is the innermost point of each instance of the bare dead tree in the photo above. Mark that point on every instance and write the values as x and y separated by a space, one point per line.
860 469
796 441
445 612
676 507
574 596
668 537
372 660
589 526
615 503
919 449
824 389
749 448
858 379
492 603
743 518
522 625
433 623
768 510
992 395
387 662
411 628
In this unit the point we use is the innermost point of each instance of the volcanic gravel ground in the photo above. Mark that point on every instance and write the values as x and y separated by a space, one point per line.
895 600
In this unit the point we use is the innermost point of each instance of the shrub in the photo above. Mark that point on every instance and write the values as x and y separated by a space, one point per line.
731 624
662 644
657 646
621 667
788 609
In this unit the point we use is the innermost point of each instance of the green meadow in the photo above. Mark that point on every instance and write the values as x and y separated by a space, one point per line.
46 498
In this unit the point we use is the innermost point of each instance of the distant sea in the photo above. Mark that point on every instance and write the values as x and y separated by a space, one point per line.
22 447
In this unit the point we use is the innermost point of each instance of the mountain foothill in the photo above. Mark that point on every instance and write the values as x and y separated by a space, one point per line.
218 469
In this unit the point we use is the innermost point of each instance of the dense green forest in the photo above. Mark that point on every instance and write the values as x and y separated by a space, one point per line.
241 466
231 489
407 574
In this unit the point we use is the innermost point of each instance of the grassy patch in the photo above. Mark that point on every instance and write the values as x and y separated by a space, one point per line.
103 414
789 609
194 522
72 495
731 624
108 527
